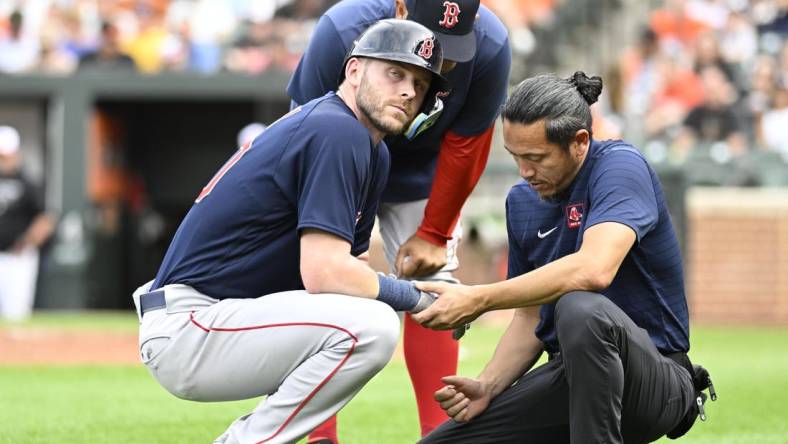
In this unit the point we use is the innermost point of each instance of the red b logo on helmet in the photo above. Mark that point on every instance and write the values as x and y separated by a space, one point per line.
451 16
426 48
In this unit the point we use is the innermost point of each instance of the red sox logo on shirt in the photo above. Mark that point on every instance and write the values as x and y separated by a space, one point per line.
451 15
574 215
426 48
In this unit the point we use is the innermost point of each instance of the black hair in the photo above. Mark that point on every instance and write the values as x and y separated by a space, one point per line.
563 103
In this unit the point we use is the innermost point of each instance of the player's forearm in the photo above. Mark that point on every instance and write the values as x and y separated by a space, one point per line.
461 163
344 275
515 353
327 266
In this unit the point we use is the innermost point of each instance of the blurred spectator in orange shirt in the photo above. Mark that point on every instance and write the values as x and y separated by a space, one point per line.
678 90
674 26
520 16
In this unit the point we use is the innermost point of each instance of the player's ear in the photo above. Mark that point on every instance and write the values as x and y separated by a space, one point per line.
400 9
353 70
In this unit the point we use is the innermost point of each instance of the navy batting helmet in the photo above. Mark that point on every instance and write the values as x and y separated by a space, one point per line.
402 41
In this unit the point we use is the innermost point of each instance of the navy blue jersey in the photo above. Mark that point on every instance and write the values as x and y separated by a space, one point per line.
615 184
316 167
478 87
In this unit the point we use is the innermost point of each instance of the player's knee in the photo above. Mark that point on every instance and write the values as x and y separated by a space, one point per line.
380 334
177 383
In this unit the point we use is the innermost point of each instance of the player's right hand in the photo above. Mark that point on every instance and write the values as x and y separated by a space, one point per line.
419 258
463 398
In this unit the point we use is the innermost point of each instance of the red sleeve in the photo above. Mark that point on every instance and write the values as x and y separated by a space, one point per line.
460 165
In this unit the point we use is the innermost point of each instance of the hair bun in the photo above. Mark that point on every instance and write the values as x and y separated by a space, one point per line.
589 88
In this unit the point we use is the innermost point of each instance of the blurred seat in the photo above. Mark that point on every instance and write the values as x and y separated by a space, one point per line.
700 168
767 168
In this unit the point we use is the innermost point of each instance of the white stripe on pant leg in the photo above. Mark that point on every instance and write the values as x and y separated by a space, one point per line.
18 283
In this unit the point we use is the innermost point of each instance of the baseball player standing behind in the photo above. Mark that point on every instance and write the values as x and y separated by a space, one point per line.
435 163
234 311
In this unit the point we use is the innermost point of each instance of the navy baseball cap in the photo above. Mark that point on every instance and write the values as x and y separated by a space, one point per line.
452 23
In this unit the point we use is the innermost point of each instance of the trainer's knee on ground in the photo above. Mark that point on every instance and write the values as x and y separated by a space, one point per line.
379 335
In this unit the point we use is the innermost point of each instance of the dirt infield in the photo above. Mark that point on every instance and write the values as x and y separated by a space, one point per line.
50 347
26 345
23 346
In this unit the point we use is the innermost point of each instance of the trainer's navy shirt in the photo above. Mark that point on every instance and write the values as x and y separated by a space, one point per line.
478 87
615 184
316 167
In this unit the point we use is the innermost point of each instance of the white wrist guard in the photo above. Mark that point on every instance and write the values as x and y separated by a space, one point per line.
425 300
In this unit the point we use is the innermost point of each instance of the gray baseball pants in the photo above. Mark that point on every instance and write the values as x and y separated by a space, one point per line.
308 353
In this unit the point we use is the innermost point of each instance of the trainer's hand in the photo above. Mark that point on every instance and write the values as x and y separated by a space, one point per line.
423 258
463 398
456 305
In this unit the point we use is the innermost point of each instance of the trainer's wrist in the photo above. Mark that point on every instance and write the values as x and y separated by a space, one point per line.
489 387
483 297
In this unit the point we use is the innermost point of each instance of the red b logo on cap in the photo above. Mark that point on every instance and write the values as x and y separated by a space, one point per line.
450 15
426 48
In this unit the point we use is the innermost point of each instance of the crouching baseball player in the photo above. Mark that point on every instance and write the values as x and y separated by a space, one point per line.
263 291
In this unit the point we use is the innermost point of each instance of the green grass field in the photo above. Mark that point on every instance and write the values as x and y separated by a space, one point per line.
114 404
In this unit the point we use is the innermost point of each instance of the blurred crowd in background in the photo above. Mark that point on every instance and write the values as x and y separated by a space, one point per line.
700 86
704 81
706 85
61 37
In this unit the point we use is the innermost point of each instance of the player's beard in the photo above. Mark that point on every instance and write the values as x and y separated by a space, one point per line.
373 107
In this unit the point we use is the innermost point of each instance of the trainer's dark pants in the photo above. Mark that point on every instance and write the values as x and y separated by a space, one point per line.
608 385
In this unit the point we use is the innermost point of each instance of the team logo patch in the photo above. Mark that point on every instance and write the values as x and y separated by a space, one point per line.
574 215
427 45
451 15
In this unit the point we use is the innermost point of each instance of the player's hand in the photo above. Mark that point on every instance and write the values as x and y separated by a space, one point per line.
418 258
463 398
456 305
